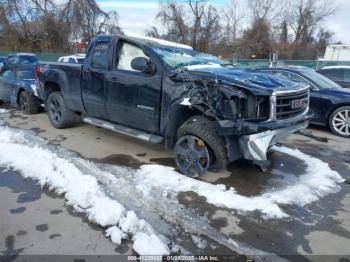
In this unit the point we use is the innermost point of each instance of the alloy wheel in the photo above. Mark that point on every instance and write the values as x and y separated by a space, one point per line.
341 122
55 110
192 156
23 102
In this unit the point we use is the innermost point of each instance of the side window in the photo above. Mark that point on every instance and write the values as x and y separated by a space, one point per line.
71 60
334 74
100 55
126 53
296 78
8 74
347 75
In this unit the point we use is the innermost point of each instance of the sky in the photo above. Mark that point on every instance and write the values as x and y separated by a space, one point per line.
138 15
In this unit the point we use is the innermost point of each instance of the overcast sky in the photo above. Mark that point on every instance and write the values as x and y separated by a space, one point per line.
137 15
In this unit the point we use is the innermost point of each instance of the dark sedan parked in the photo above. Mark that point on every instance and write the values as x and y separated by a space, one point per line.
339 74
18 86
329 102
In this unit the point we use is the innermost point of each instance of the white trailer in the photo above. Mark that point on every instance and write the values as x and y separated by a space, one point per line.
337 53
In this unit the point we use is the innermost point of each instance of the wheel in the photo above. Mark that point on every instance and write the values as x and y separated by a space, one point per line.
339 121
27 103
59 115
199 147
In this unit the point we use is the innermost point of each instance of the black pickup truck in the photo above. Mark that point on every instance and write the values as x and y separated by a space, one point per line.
204 109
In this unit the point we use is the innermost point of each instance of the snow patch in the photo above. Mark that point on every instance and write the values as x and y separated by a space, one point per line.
186 102
115 234
4 111
318 181
80 190
197 67
161 41
149 244
201 243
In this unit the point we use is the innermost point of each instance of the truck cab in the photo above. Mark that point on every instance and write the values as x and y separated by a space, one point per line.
207 111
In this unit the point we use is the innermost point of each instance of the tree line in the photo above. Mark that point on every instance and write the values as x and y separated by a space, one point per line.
293 29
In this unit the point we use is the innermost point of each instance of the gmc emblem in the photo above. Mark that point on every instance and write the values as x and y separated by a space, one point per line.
296 104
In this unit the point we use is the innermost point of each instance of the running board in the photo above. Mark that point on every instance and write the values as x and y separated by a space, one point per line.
150 138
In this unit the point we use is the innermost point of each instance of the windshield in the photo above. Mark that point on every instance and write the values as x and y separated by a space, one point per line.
29 59
320 80
179 57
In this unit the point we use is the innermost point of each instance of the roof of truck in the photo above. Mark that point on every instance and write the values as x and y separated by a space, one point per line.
146 39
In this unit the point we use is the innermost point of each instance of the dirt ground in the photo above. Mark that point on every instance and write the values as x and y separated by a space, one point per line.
319 231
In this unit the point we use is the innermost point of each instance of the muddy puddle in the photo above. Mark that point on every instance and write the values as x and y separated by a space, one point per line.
27 190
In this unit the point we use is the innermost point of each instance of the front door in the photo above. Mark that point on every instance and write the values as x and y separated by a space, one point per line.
132 97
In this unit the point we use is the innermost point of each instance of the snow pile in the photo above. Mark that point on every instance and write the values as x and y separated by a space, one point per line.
318 181
4 111
186 102
80 190
142 244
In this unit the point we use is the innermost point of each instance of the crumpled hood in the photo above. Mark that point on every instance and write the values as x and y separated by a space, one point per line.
257 82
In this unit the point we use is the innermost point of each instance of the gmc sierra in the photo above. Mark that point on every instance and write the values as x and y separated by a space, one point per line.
206 110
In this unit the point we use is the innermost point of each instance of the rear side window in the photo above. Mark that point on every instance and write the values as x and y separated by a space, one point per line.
334 74
100 55
347 75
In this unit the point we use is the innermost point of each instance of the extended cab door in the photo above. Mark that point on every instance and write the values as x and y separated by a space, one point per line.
93 79
133 97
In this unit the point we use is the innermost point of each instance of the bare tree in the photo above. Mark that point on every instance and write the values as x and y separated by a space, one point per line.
304 16
263 9
193 22
232 16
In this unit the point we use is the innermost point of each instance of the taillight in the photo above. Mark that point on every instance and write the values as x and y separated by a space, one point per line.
36 73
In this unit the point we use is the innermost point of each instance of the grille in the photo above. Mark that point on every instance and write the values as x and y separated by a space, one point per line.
291 105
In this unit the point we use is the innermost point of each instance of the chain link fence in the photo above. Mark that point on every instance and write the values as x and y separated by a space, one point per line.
314 64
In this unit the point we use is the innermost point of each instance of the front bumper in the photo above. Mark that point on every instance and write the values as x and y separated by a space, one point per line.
255 147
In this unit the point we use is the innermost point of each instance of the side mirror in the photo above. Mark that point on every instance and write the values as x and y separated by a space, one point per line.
143 65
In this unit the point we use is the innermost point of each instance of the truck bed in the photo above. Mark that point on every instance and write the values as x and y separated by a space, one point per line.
70 75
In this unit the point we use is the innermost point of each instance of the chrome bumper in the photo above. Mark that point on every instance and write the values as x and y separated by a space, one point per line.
256 146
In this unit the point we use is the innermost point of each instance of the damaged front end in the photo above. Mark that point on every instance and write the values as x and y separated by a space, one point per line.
252 113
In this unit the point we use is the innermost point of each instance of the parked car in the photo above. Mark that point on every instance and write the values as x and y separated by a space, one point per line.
339 74
2 61
163 92
18 86
73 59
329 102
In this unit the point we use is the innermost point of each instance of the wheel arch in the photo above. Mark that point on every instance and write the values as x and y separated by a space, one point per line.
178 116
50 87
330 112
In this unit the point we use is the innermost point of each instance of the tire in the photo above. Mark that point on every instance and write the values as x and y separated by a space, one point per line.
27 103
339 122
204 129
59 115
